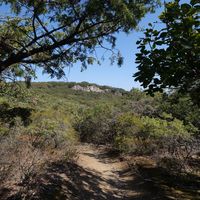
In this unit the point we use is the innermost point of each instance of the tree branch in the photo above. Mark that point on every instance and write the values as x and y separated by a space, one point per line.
19 57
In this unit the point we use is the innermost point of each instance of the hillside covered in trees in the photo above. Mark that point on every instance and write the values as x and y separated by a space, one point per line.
45 124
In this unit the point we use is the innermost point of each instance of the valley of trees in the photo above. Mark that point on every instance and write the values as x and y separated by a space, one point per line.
45 125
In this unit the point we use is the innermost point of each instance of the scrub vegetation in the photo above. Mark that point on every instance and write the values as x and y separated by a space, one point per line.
83 141
44 125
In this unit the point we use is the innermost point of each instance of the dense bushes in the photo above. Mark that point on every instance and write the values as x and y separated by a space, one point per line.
32 135
170 142
26 151
52 123
149 127
143 125
181 107
144 132
165 138
130 132
95 124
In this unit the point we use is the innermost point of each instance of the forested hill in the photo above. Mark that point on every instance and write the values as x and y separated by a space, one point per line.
133 101
42 126
79 94
66 95
81 86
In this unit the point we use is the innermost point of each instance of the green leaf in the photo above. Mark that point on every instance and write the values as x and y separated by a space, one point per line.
174 53
194 2
138 42
163 34
185 7
159 42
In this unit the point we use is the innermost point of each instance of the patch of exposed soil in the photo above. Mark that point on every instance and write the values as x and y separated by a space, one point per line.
100 174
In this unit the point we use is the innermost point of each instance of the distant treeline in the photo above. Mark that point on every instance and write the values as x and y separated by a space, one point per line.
82 84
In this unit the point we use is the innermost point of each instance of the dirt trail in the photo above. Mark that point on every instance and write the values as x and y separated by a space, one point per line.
114 179
99 174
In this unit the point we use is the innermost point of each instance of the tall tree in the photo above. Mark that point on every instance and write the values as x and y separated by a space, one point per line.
170 57
53 34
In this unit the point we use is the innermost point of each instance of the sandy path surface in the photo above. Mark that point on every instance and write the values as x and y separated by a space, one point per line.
100 174
111 171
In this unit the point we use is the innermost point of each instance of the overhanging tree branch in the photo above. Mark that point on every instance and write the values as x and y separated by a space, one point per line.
75 23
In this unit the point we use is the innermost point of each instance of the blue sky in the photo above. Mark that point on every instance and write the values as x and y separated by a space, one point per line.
107 74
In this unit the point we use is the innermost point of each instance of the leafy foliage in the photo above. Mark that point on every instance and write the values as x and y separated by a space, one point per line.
95 124
55 34
170 57
181 107
32 136
15 92
146 134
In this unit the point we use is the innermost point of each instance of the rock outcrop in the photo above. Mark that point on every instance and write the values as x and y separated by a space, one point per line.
91 88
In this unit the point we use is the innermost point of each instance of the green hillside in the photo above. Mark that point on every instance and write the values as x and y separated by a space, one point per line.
44 124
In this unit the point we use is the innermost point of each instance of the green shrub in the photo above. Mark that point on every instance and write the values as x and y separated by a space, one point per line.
95 124
128 124
52 124
146 135
181 107
126 127
26 151
157 128
125 144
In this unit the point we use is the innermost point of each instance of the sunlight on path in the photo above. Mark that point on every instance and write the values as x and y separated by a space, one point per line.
98 162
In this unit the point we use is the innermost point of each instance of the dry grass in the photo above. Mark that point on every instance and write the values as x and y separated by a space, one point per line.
23 158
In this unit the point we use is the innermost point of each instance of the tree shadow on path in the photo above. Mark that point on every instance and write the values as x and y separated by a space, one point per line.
70 181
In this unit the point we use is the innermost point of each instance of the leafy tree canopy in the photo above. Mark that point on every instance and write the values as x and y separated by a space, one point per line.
54 34
170 57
